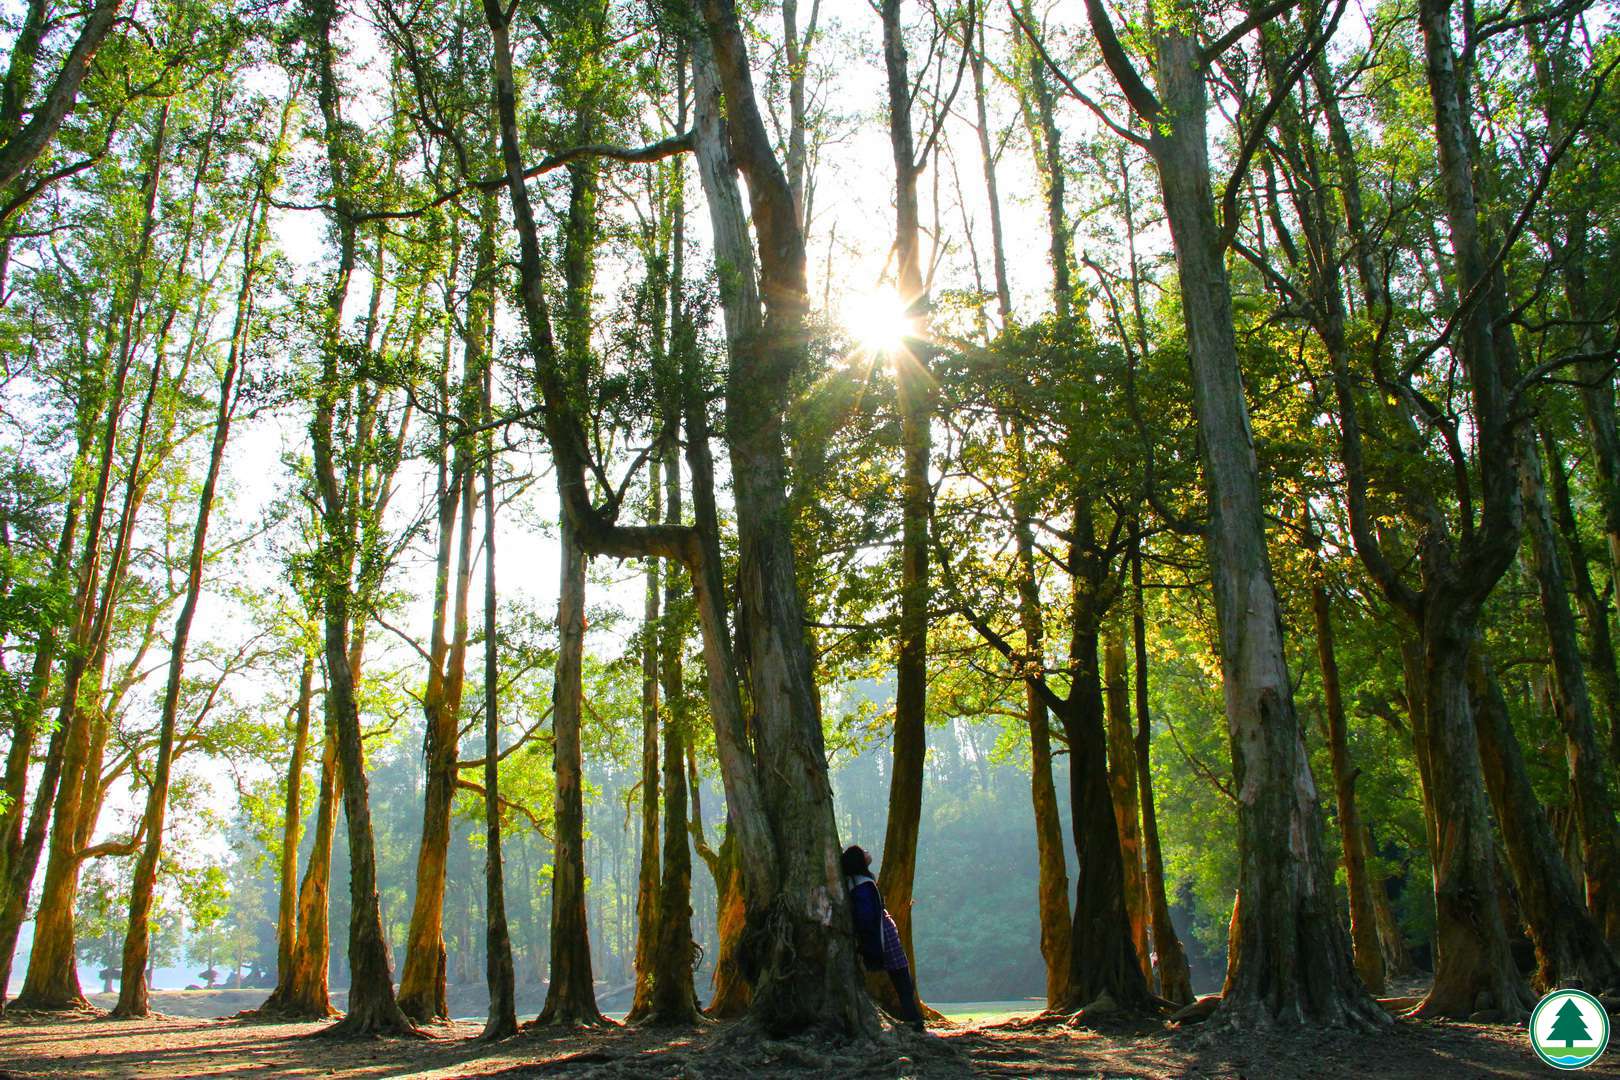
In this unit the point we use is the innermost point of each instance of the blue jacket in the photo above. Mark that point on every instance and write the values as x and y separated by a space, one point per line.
876 936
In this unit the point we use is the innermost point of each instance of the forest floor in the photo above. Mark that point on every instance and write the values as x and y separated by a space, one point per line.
92 1048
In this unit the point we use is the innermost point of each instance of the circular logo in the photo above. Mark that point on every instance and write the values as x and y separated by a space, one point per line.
1569 1029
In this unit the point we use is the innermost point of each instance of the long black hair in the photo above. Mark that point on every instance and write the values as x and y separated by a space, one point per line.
854 861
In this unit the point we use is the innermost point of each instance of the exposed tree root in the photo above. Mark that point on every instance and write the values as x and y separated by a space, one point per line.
273 1012
373 1020
20 1012
744 1051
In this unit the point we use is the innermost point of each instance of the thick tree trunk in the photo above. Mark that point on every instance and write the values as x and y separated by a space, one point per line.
1103 959
1588 769
731 992
798 940
1122 786
1363 923
1288 960
372 1007
1473 968
1175 977
1569 940
571 997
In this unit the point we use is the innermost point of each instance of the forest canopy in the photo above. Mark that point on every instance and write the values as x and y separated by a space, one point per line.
497 496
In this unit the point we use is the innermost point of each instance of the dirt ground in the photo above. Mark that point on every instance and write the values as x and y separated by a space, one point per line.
92 1048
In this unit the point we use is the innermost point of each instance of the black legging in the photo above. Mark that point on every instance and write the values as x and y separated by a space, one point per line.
907 993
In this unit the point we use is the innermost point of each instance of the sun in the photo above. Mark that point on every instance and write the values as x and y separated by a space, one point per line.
878 321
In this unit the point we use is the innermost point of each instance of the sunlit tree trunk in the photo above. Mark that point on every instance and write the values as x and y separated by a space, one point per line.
1288 959
132 991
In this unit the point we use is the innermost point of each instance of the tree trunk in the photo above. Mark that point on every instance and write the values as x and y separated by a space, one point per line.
1594 609
1363 923
301 986
1288 960
372 1007
132 990
647 878
731 992
499 975
1391 941
798 940
292 821
1175 978
422 990
674 998
1103 958
914 390
1122 786
1057 929
1569 940
52 980
1588 769
1473 968
571 997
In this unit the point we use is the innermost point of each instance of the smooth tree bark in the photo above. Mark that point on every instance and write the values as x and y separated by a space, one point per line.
1289 960
1175 977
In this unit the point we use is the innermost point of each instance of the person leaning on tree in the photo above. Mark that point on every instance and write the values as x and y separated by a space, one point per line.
876 937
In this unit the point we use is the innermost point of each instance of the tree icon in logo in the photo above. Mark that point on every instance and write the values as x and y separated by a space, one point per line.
1569 1029
1568 1026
